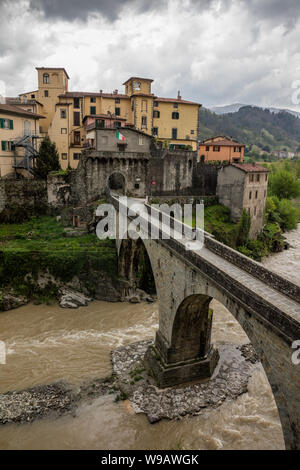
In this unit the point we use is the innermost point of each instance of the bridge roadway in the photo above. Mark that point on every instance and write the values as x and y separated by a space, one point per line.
274 297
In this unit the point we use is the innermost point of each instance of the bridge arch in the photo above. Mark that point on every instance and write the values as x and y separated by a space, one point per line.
117 182
184 294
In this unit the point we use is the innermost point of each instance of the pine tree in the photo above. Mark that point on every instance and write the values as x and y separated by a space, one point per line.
48 159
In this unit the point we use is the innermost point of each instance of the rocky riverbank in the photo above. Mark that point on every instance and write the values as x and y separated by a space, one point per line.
131 381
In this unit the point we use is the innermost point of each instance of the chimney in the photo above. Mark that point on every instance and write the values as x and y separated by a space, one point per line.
115 92
2 99
178 95
101 91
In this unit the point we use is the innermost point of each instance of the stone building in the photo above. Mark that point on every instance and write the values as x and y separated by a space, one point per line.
244 186
221 148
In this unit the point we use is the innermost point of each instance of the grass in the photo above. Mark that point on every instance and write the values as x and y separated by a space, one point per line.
39 245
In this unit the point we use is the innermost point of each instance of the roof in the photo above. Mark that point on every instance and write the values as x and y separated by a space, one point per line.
121 129
224 143
250 167
176 100
80 94
105 116
53 68
138 78
8 108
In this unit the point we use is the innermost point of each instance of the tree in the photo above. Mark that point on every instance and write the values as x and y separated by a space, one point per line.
243 229
47 160
289 215
284 185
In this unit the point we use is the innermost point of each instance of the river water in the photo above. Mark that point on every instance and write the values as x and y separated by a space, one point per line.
47 343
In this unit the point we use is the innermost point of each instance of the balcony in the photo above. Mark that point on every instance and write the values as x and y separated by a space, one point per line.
106 125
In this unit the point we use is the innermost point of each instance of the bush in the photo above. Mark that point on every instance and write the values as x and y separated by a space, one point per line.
284 185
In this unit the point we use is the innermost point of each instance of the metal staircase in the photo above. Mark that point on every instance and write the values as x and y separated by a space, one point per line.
26 142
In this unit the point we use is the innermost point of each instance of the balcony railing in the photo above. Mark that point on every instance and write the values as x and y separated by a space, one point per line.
108 125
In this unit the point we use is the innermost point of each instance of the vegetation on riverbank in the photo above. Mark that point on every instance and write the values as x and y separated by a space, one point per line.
41 245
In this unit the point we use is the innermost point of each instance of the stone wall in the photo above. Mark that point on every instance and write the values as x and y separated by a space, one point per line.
205 178
171 172
27 193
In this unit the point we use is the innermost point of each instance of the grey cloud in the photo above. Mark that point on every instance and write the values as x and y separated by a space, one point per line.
80 10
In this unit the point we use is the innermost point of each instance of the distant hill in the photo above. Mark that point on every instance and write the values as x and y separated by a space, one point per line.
233 108
253 126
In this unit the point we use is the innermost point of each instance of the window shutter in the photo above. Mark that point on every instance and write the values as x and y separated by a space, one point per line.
3 145
11 124
1 123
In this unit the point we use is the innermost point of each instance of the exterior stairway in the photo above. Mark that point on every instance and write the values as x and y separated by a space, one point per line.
27 142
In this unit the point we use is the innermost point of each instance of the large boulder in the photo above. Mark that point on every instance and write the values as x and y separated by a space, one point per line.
72 299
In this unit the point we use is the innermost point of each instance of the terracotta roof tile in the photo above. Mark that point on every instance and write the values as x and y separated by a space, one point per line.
250 167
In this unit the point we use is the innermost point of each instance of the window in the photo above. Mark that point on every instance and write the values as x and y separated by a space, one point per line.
100 123
76 156
141 140
257 177
175 105
144 105
137 86
192 132
46 93
76 118
93 99
46 78
93 110
251 178
144 121
6 123
5 145
122 147
76 103
117 124
155 104
117 111
190 164
155 131
250 195
216 148
117 100
237 149
256 194
266 177
63 130
175 115
63 113
174 133
207 148
136 185
64 156
254 212
265 192
77 137
32 96
156 114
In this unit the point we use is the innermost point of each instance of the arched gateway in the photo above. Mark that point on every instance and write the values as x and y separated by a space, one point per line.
186 281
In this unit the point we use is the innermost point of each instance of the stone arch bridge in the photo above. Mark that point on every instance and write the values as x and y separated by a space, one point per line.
266 305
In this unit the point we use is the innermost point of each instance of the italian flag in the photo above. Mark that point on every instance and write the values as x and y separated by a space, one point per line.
120 136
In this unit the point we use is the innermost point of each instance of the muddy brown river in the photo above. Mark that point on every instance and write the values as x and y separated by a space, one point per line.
47 343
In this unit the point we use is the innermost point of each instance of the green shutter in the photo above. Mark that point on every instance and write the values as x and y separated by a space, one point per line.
1 123
11 124
3 145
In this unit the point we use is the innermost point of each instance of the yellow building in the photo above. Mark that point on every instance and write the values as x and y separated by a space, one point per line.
15 124
174 122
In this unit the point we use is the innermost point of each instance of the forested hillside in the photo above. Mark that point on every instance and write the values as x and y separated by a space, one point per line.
253 126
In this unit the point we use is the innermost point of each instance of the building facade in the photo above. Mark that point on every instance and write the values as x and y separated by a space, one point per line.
172 121
244 186
221 148
16 124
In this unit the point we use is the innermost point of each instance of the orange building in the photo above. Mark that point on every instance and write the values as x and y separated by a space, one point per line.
221 148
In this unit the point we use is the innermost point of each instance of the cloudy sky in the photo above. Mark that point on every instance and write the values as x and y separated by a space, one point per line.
215 51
